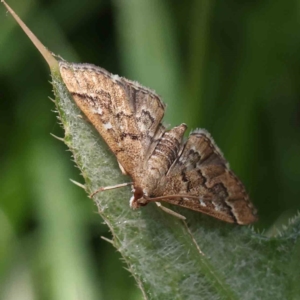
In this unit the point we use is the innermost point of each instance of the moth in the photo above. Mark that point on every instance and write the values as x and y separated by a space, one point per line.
193 174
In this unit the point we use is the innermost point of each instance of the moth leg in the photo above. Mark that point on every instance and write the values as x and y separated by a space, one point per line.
112 187
170 211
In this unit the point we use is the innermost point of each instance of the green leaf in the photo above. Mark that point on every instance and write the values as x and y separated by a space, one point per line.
171 259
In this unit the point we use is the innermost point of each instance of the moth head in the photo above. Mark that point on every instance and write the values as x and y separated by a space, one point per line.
137 200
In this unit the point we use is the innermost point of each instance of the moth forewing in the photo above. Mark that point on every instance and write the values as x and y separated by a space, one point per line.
104 101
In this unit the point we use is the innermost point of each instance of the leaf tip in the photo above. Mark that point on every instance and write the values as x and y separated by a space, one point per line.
52 62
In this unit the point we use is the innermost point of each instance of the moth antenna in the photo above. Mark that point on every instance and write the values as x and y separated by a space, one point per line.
171 197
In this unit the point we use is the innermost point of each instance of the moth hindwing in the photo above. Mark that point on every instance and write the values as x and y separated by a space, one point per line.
192 174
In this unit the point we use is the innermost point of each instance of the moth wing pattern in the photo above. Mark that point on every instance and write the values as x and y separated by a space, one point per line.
127 115
202 171
149 111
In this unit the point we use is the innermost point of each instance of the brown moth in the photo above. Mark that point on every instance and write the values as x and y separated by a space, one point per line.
192 174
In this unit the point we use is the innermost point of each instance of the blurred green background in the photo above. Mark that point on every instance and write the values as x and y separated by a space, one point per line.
232 67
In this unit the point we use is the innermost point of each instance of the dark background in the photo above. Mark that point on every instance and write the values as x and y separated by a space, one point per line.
232 67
